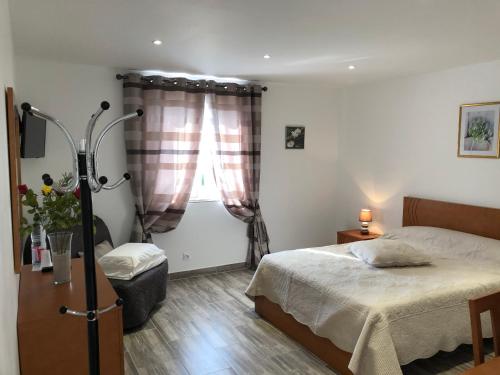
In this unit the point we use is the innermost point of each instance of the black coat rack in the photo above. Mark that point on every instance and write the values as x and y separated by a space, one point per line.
86 175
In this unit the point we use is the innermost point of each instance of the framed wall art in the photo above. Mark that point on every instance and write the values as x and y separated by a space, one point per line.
295 137
478 130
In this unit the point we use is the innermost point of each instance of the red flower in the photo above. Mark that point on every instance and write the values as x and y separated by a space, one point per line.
76 193
23 189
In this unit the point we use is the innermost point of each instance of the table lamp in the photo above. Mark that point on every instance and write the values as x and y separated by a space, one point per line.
365 217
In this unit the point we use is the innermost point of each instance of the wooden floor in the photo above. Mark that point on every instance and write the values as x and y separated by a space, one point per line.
207 326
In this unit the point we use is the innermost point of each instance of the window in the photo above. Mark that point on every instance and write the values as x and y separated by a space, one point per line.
204 186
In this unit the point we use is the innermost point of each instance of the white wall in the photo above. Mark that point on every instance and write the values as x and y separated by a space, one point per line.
399 138
296 185
71 93
9 362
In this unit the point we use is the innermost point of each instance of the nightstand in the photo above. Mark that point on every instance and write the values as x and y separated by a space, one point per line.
354 235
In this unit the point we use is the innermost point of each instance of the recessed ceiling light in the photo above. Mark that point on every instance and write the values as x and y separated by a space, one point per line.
267 56
351 67
157 42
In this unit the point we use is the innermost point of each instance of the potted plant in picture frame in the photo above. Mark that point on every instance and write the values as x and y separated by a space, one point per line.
56 214
478 130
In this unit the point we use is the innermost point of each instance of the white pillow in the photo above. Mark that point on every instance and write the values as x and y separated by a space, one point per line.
388 253
446 243
131 259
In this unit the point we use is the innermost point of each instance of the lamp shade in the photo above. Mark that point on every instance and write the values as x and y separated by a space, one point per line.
365 215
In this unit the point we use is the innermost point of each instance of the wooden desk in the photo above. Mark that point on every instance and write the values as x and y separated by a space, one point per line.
51 343
491 367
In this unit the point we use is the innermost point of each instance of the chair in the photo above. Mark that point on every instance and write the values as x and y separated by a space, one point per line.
477 306
140 295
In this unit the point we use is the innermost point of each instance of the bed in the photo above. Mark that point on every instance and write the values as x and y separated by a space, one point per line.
368 321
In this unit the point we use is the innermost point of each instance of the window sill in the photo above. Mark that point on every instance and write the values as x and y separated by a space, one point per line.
203 200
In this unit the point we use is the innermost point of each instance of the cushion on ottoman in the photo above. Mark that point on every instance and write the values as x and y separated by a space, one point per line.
131 259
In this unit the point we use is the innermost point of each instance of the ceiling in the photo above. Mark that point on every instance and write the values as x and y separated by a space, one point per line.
308 40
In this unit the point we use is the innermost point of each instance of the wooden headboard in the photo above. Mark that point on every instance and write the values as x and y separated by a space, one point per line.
482 221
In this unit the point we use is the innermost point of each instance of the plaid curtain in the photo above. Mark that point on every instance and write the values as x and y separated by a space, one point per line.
162 149
236 114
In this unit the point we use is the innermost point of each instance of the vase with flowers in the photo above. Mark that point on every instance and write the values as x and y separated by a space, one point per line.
56 214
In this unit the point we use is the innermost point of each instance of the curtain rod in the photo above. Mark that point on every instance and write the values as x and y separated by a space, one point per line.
121 76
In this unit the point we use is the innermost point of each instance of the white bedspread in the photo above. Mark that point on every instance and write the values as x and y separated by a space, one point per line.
384 317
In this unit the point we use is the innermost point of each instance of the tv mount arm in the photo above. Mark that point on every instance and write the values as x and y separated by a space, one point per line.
85 174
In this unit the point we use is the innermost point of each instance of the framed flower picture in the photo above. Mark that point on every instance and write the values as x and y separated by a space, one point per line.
478 129
295 137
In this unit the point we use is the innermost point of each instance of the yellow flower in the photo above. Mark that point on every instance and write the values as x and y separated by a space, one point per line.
46 190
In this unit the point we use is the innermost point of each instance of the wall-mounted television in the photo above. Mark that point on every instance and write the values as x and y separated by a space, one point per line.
32 136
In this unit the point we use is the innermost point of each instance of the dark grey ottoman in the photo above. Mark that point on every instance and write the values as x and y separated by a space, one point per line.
141 294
